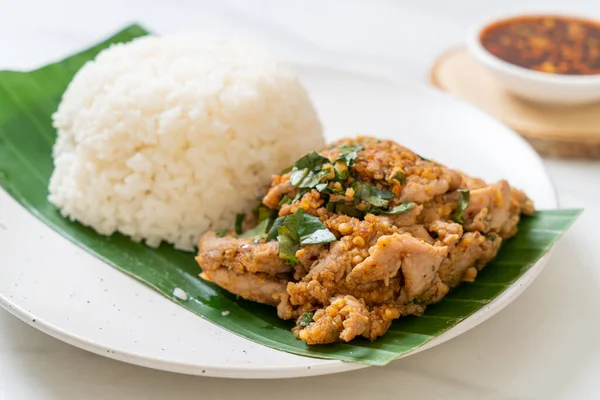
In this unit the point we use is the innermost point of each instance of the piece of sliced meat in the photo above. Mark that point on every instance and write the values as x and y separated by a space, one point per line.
347 317
240 255
319 284
494 202
525 205
489 248
417 231
406 218
381 317
418 260
422 190
307 256
344 319
461 257
259 288
441 208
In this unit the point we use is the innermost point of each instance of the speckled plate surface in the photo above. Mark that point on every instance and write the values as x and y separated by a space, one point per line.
60 289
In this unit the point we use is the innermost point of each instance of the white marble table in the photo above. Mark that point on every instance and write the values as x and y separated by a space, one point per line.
544 346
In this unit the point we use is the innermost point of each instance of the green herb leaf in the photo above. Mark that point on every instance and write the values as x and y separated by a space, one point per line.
311 179
341 176
349 211
290 221
422 158
312 231
400 177
382 193
239 220
259 231
463 202
300 228
221 233
349 153
399 209
311 161
318 237
377 201
298 176
321 186
371 194
263 213
288 245
272 235
306 319
285 200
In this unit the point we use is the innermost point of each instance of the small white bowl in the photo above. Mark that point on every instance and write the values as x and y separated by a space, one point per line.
540 87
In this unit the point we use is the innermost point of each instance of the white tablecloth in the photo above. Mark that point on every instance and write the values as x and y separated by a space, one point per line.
544 346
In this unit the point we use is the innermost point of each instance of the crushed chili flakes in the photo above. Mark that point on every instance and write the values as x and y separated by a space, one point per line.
553 44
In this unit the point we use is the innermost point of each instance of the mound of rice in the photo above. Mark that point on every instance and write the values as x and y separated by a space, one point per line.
164 138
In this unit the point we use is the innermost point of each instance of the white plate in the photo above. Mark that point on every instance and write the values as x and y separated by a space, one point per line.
63 291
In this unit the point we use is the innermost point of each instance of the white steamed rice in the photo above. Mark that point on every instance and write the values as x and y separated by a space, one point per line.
164 138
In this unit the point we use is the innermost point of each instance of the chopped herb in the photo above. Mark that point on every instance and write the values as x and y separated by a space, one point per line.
463 201
263 213
312 231
239 220
422 158
371 194
259 231
290 221
298 176
399 209
306 319
342 175
312 179
221 232
330 207
492 236
377 201
321 186
265 217
285 200
382 194
349 154
285 171
318 237
305 178
288 245
349 211
311 161
400 177
272 235
379 193
299 228
308 172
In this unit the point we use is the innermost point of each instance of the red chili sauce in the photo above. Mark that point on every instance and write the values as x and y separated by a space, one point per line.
558 45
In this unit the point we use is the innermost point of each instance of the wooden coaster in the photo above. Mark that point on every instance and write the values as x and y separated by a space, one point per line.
551 130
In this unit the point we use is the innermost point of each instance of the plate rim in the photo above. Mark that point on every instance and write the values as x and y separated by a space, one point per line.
321 366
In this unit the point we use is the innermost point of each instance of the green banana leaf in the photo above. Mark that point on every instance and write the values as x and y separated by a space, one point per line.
27 100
